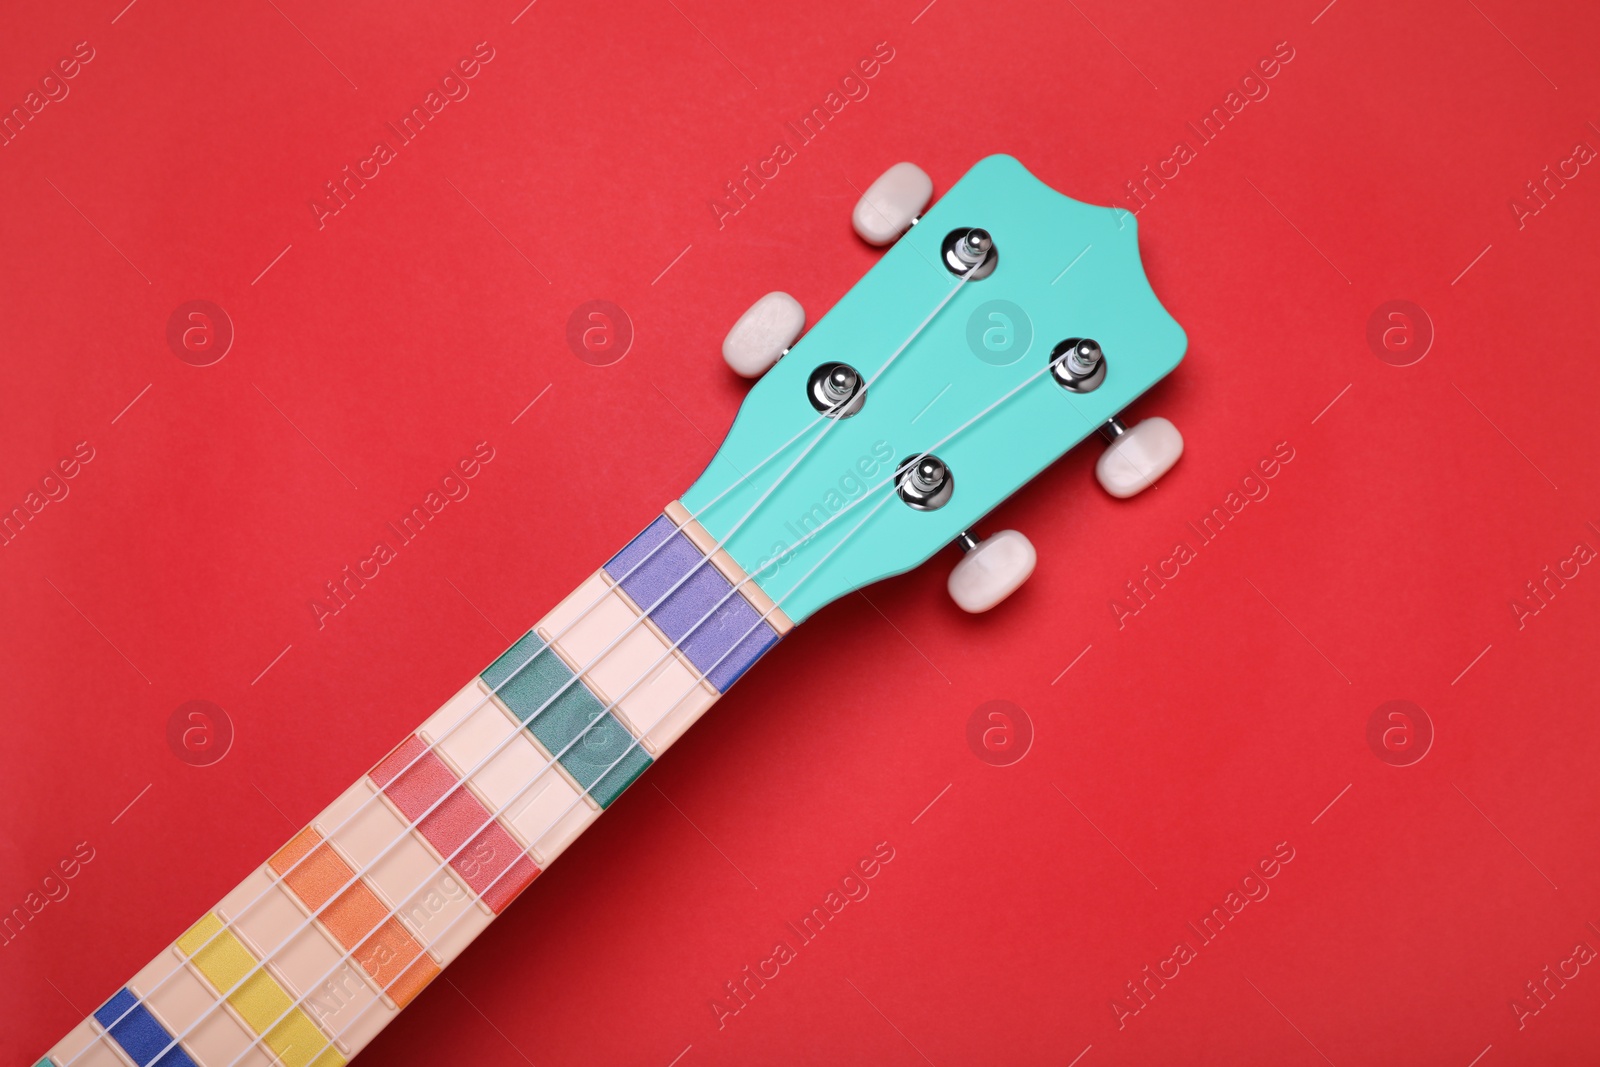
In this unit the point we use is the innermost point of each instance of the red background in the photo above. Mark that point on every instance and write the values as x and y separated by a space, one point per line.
1220 720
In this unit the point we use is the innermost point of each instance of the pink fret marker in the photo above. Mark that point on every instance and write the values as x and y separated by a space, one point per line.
491 863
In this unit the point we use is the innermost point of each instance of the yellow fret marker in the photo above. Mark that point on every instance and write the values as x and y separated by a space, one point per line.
260 1000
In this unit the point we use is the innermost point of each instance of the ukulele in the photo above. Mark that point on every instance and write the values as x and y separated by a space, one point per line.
1004 326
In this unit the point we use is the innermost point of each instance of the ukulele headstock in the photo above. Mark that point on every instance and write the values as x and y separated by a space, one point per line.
1006 325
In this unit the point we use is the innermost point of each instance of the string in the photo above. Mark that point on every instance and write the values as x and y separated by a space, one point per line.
227 924
523 853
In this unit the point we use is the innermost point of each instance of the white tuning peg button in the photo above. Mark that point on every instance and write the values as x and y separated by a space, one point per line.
991 570
1137 457
892 203
763 334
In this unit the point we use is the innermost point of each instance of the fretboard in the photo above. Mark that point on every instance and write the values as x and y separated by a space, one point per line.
322 945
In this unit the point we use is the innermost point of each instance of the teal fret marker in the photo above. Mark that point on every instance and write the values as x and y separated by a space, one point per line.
568 718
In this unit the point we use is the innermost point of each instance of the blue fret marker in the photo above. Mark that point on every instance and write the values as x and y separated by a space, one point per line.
716 628
140 1035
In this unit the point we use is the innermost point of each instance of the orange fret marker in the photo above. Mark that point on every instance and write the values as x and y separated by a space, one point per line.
357 919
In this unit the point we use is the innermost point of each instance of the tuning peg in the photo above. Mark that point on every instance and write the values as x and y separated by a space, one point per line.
892 203
763 334
1137 456
991 570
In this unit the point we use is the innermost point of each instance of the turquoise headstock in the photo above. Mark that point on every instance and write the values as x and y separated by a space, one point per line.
811 504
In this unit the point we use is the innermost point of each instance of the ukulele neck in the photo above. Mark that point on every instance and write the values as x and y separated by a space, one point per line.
319 948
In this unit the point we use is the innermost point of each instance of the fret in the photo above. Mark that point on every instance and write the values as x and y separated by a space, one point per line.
356 919
254 988
323 944
307 959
